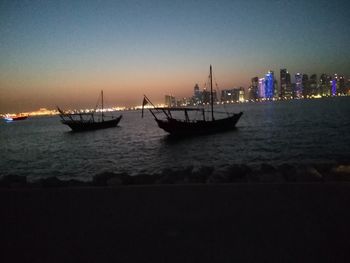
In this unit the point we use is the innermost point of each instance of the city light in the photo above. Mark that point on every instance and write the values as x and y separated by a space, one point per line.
263 89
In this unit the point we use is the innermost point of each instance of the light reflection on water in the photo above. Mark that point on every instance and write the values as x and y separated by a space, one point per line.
315 131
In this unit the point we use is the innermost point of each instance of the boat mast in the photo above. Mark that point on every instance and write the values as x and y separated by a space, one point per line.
211 94
102 103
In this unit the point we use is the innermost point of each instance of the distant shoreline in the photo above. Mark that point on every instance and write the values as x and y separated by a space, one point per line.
50 112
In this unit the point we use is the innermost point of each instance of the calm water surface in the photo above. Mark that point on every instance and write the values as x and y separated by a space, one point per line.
299 131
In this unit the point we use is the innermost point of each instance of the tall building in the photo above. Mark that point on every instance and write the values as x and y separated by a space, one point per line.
170 101
226 95
325 85
283 83
197 95
334 87
313 85
262 88
293 88
298 93
338 85
341 85
253 91
215 97
269 85
241 94
233 95
305 86
185 102
285 91
288 91
206 98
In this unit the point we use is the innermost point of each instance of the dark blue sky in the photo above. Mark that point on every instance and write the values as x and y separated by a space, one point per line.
54 50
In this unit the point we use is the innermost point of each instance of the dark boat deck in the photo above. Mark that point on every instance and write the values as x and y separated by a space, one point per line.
79 126
183 128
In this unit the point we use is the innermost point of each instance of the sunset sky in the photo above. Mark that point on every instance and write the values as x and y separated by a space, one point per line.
64 52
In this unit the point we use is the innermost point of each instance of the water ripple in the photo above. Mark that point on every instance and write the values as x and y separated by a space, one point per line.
282 132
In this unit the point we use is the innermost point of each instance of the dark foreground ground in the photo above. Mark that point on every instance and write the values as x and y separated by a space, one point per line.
289 222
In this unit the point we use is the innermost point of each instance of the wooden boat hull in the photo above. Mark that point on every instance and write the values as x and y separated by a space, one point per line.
183 128
78 126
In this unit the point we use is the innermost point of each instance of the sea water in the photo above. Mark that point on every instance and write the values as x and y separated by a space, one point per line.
293 132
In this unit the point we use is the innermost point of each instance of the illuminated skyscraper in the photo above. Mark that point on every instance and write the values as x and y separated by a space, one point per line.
269 85
298 85
285 85
233 95
283 76
325 85
261 88
305 86
341 85
197 96
253 91
313 85
334 87
338 85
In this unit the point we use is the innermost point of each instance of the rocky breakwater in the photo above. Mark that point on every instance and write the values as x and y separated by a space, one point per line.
234 173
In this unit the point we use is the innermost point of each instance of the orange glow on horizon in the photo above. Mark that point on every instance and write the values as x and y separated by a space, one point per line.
81 89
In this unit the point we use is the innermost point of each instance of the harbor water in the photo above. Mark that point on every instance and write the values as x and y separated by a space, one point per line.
284 132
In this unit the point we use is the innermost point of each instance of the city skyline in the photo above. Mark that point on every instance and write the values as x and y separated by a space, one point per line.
65 53
328 82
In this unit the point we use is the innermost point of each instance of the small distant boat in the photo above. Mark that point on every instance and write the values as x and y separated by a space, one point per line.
89 121
187 127
16 117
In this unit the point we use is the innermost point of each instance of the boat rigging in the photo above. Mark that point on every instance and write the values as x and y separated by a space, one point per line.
184 127
89 121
